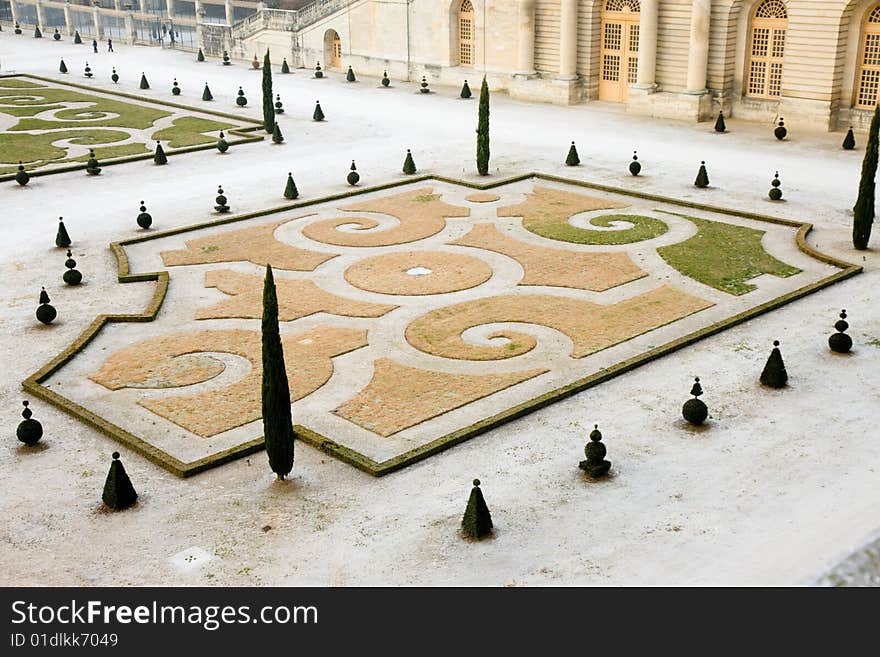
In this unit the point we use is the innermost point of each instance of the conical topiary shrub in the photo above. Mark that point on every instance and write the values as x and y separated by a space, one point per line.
255 63
279 106
595 464
572 159
46 313
290 190
221 201
840 342
62 239
241 101
386 81
477 521
76 37
144 219
849 142
87 71
29 431
284 67
423 87
144 84
277 137
353 176
175 88
349 77
775 192
37 33
635 167
22 177
720 125
114 76
118 492
702 179
201 56
206 94
62 68
863 211
483 147
774 374
93 168
226 61
222 144
695 410
71 276
268 108
319 113
159 157
318 72
466 91
780 131
409 165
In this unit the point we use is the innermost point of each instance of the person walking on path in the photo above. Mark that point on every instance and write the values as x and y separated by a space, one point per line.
109 44
95 46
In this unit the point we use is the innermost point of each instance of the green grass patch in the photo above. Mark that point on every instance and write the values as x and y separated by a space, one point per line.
15 83
188 131
38 150
724 256
109 152
556 227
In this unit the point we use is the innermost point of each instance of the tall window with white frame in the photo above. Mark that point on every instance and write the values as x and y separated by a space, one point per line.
868 80
767 49
466 33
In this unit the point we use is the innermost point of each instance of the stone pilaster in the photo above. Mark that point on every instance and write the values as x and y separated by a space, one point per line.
568 39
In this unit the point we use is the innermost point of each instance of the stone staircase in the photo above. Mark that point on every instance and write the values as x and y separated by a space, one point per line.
287 21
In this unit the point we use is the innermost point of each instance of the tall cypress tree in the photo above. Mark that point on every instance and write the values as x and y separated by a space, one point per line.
483 131
277 422
863 212
268 106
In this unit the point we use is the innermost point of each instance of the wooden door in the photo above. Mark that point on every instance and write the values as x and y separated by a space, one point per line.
619 64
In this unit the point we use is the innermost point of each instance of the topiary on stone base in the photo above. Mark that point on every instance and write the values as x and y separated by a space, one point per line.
144 219
775 192
635 167
22 177
849 142
290 190
702 179
118 492
595 464
319 113
409 165
695 410
46 313
774 374
353 176
29 431
477 521
221 201
572 159
71 276
160 157
840 342
62 239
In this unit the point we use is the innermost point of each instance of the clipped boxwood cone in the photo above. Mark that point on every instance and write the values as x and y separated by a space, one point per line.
780 131
572 159
221 201
635 167
465 90
277 137
353 176
284 67
201 56
22 177
222 144
319 113
595 464
37 33
76 37
775 192
840 342
206 94
62 68
849 142
71 276
349 77
695 410
702 179
160 157
720 126
144 84
774 374
62 239
290 190
409 165
175 88
477 521
118 492
144 219
46 313
29 431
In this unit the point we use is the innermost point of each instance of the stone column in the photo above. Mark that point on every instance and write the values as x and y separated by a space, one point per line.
568 39
38 6
525 60
647 44
698 55
68 27
170 5
230 14
96 17
143 6
14 11
116 5
129 28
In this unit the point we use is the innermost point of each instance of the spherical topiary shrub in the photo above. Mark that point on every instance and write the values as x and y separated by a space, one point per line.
775 192
221 201
175 88
572 159
88 71
695 410
840 342
29 431
386 81
93 168
702 179
318 72
71 276
849 142
477 521
720 125
353 176
22 177
780 132
279 106
241 101
114 76
46 313
423 87
635 167
226 61
774 374
57 35
62 239
144 219
595 464
17 29
222 144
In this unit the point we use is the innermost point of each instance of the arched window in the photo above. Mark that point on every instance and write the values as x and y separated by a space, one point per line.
620 49
466 33
869 62
767 49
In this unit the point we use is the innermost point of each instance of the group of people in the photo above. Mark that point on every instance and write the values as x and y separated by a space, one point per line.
165 31
109 45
